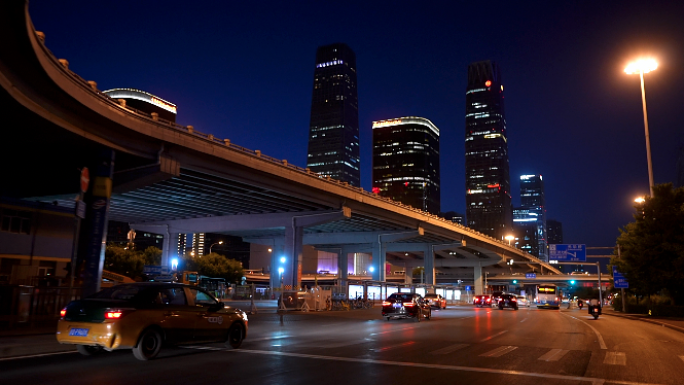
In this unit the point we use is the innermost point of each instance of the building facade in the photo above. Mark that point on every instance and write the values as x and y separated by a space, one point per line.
406 162
334 126
554 231
488 193
529 220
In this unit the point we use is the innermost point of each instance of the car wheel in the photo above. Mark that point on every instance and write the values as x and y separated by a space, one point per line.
148 346
388 318
88 350
235 335
500 307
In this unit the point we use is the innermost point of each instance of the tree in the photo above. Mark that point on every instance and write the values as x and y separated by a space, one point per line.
652 247
217 266
130 262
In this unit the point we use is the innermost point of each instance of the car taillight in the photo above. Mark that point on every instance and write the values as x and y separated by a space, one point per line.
62 312
386 303
513 299
489 300
116 313
409 304
556 298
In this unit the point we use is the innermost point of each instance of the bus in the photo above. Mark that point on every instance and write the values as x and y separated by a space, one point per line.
547 296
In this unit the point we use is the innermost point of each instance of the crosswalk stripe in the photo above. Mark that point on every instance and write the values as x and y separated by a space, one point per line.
449 349
615 358
498 352
682 357
553 355
393 346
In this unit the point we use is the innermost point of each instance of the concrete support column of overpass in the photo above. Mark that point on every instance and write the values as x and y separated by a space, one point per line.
478 281
294 236
277 252
94 232
429 264
343 264
380 250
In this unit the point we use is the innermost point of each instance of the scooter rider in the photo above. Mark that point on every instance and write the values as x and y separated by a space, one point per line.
594 303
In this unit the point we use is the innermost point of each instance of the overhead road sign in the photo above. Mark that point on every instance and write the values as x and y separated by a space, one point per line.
568 253
531 275
619 280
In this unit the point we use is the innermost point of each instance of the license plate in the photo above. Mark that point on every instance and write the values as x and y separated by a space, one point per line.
397 305
78 332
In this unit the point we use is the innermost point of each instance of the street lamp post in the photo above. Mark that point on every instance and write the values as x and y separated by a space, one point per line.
217 243
642 67
509 238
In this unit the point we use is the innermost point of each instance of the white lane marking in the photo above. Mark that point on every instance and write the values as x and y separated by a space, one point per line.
598 335
498 352
449 349
269 338
392 331
682 357
523 320
615 358
553 355
386 348
592 380
494 336
334 345
36 355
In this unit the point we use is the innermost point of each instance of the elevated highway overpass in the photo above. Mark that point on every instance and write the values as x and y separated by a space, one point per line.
170 179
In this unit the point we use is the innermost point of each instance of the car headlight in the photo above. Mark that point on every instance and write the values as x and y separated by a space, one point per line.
243 315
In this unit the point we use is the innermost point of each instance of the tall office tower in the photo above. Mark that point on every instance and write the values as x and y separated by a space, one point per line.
554 231
488 193
334 125
406 162
532 199
526 232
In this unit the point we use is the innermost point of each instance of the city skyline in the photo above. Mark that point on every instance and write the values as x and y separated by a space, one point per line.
243 72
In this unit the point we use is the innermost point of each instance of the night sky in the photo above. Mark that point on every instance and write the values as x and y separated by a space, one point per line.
244 71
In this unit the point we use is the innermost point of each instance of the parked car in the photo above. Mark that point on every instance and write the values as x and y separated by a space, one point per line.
482 300
406 305
436 300
495 297
146 315
507 300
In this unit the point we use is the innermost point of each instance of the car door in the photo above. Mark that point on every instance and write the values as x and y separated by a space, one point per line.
209 322
176 316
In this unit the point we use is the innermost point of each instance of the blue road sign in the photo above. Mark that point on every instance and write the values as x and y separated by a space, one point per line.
468 288
530 275
568 253
619 280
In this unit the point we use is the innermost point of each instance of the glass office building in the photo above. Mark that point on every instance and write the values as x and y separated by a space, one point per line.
532 212
334 125
488 193
406 162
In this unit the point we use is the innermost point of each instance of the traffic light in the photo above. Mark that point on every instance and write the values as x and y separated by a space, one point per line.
572 282
515 281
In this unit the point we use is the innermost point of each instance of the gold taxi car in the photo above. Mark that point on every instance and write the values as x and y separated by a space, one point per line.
144 316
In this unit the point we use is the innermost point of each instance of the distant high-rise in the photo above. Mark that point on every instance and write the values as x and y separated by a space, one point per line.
334 125
532 212
406 162
488 192
554 231
525 227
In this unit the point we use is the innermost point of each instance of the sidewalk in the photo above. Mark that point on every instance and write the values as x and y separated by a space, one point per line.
672 323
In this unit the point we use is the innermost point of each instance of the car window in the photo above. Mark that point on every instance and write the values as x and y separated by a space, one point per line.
201 298
124 292
171 296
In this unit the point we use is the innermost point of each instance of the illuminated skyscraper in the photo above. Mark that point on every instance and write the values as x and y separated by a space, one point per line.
334 125
406 162
554 229
488 193
529 220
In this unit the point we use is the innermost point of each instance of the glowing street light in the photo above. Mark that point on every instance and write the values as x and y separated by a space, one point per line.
509 238
217 243
640 200
644 66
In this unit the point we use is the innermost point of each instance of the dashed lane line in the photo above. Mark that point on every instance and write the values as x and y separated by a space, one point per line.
493 336
36 355
615 358
553 355
498 352
450 349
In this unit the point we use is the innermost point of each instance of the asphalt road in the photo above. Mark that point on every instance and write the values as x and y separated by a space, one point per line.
460 345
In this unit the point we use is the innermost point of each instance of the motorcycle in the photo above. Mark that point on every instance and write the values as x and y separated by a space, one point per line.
580 304
595 310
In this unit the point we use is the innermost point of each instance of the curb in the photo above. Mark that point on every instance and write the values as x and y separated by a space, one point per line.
653 321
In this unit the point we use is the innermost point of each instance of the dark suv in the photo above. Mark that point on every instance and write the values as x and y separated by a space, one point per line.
508 300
